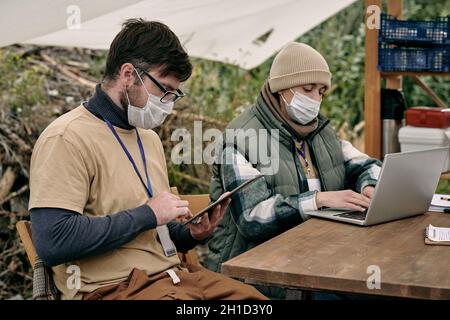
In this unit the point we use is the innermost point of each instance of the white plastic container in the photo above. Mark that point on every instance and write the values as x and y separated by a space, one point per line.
415 138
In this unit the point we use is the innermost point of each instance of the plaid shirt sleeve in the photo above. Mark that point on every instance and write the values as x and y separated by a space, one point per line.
360 169
259 213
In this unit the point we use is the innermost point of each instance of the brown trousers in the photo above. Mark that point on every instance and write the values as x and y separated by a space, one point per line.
197 283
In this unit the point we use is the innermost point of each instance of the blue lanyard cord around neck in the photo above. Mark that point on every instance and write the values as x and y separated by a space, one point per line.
148 187
302 152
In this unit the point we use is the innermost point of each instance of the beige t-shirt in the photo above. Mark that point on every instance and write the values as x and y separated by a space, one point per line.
77 164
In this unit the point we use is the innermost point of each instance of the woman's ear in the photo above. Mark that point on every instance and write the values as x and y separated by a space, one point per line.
285 96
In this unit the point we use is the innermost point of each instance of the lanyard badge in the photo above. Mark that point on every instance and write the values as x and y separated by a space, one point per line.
163 231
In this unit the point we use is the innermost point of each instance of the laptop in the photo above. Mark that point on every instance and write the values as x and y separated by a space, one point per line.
405 188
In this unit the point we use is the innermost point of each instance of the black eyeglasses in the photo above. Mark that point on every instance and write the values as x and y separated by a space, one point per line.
168 96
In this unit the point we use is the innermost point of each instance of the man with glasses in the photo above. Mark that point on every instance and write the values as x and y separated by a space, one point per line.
99 193
168 95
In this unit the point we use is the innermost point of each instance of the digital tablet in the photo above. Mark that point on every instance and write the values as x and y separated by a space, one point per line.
196 217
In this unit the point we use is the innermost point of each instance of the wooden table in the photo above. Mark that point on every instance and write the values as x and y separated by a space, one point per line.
327 255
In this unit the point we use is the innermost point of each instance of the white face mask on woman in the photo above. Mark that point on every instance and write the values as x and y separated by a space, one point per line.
152 114
302 109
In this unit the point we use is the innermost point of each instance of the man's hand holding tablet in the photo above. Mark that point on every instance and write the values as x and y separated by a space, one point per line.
206 223
195 219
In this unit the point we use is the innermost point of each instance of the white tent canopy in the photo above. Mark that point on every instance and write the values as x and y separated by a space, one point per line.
244 33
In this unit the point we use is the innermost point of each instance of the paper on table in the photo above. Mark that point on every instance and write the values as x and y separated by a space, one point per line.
437 208
438 234
440 203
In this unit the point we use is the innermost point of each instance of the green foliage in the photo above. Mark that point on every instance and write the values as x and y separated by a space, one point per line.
340 40
443 187
222 91
426 9
21 83
97 64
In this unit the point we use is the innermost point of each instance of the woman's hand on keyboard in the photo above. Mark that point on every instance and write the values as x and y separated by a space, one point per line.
368 191
345 199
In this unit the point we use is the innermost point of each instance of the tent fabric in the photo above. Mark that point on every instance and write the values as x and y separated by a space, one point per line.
244 33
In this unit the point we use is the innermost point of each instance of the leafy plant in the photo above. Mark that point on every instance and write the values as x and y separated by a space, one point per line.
21 83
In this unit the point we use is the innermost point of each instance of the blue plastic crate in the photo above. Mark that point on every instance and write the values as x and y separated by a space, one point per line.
415 32
413 59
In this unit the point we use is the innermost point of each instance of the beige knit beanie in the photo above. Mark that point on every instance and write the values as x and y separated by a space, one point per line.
298 64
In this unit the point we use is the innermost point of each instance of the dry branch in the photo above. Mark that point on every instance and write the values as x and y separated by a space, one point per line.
14 194
65 71
7 182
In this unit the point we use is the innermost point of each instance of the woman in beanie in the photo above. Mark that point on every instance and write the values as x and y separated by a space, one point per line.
312 168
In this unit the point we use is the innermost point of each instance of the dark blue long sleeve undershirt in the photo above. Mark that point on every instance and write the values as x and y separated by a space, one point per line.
61 235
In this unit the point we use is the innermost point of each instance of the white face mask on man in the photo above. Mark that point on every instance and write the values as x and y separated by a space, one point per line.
152 114
302 109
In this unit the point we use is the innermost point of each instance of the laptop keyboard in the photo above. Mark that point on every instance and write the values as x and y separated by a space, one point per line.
358 215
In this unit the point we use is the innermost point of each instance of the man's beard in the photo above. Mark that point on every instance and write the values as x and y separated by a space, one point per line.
124 101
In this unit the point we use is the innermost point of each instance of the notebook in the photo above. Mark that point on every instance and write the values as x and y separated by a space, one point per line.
440 203
437 235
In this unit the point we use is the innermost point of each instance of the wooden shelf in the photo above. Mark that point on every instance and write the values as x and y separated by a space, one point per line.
394 80
411 73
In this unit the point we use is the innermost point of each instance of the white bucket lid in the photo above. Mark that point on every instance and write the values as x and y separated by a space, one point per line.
434 136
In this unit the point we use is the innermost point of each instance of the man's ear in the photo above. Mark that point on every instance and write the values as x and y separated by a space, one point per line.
126 74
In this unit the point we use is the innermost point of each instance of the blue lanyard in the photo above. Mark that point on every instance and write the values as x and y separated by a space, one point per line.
148 187
302 153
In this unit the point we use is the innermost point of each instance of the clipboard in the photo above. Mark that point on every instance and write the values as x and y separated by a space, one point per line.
437 243
432 242
220 200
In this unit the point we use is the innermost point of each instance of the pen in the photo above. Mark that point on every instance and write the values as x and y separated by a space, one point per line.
445 198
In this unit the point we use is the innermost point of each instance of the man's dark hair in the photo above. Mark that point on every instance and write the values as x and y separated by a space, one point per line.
148 44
